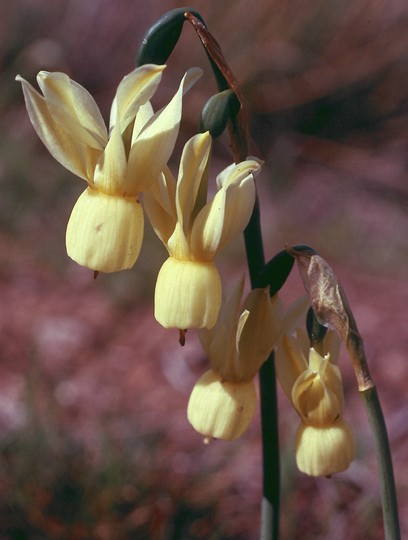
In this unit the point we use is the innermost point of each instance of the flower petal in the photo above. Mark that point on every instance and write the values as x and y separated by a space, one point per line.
177 244
260 331
64 146
73 108
316 404
134 90
290 363
236 172
110 175
160 206
222 219
219 342
152 148
193 162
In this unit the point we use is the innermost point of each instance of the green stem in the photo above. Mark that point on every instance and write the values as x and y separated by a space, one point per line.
384 460
270 451
256 264
269 409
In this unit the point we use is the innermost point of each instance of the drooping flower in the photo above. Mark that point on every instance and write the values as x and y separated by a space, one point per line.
105 229
188 289
223 401
313 383
220 409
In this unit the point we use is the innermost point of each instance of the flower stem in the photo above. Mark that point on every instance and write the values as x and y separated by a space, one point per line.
270 451
268 396
368 392
384 460
256 264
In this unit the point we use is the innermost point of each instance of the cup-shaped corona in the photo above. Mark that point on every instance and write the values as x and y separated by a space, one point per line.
187 294
322 451
105 232
220 409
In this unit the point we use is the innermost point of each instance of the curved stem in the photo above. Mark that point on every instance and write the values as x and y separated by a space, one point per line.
386 474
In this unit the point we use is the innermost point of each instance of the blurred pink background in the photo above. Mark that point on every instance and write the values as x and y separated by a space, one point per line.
94 440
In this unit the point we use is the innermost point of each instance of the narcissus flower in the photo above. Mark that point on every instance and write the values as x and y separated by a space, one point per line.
223 401
105 229
188 289
324 441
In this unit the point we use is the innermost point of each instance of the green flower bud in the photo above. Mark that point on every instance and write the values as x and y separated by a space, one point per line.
159 42
217 111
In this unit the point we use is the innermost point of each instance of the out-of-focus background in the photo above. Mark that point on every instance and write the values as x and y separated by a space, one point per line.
94 440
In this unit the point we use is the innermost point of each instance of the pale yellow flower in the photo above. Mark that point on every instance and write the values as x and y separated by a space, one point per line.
222 403
313 383
105 229
188 289
221 409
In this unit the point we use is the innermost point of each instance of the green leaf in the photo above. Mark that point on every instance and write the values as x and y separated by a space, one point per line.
276 271
315 330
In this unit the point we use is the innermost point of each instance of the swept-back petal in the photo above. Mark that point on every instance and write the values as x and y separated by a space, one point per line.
64 146
133 91
208 226
227 318
260 331
160 205
144 114
236 172
223 218
219 342
73 108
152 148
192 165
290 363
238 208
111 169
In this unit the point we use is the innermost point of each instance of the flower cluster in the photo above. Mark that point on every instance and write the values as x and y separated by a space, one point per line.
105 232
312 381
